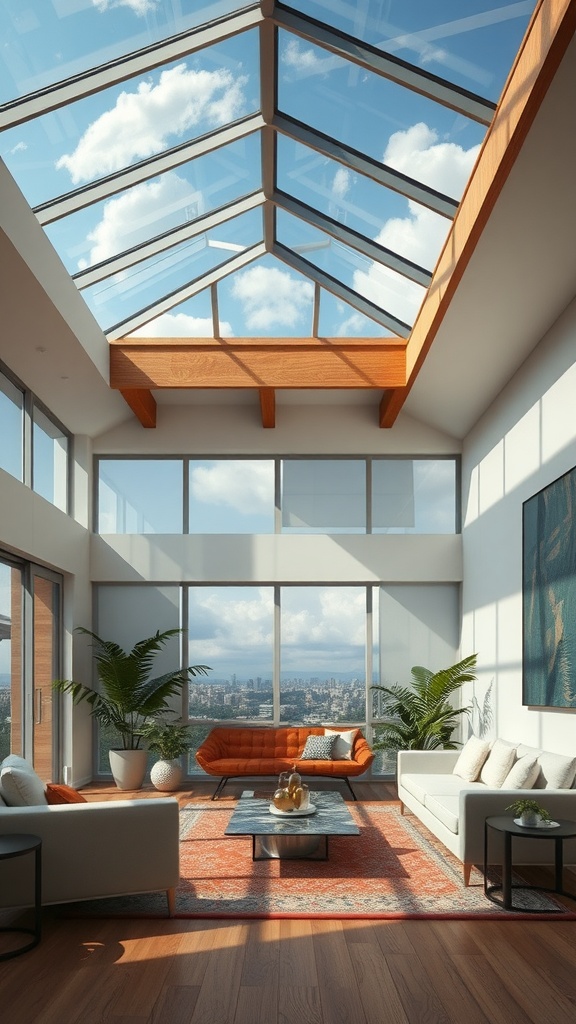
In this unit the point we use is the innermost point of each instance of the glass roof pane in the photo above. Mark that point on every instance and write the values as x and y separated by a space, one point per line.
168 201
472 45
339 320
387 289
114 300
358 202
118 127
390 123
267 298
46 41
191 319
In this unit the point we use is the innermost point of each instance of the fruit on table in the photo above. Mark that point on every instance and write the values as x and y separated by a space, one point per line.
294 782
282 800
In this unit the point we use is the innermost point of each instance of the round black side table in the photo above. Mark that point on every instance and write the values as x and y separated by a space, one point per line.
509 829
18 845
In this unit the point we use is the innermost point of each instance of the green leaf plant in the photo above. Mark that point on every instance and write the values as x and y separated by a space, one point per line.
421 716
127 695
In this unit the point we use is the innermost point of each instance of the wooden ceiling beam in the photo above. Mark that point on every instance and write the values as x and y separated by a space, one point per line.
142 403
268 406
154 363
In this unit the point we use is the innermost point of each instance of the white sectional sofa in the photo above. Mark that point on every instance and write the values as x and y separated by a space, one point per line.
454 808
90 849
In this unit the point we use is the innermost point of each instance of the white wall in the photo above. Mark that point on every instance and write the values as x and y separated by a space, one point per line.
524 441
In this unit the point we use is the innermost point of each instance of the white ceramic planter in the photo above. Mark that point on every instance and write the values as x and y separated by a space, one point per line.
166 775
128 767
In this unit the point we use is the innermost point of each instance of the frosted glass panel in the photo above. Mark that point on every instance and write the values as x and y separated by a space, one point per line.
419 625
50 461
127 614
140 496
414 496
325 496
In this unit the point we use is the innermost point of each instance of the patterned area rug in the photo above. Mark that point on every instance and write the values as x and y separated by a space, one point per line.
394 868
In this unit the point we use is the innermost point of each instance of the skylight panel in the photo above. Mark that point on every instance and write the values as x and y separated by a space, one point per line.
141 286
130 122
471 45
161 204
365 111
46 41
339 320
190 319
352 199
362 275
267 298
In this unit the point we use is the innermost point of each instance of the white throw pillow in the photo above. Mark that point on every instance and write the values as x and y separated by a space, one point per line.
21 787
344 744
472 757
523 773
498 763
557 771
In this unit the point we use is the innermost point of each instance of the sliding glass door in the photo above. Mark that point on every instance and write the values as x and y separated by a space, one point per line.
30 659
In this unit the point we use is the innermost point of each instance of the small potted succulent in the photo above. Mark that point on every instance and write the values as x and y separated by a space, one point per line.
169 740
529 812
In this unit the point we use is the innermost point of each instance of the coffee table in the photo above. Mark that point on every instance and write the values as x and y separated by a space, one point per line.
291 837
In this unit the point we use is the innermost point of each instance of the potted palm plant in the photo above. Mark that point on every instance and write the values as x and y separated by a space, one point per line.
128 696
170 740
421 716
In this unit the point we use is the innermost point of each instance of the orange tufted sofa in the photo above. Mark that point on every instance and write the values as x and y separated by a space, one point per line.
233 753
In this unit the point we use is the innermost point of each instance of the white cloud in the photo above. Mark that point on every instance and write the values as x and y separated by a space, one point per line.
338 612
142 122
444 166
246 486
139 214
138 7
236 624
341 183
419 236
20 147
305 61
272 297
355 324
181 325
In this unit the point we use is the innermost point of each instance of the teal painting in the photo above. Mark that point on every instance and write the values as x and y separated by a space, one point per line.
549 595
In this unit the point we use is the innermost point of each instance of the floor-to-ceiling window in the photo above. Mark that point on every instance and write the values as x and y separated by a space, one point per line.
299 652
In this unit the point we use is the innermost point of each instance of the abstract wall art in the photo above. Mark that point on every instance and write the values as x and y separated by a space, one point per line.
549 595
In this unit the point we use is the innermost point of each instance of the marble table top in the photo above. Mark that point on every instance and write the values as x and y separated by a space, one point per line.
252 817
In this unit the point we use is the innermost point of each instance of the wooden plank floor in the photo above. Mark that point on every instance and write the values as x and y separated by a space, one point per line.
292 971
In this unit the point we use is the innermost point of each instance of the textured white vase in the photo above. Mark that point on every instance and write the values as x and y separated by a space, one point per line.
166 775
128 767
530 819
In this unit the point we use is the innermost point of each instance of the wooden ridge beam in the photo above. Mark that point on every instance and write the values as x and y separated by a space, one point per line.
263 363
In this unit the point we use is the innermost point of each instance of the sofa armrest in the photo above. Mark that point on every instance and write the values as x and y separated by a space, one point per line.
95 849
479 804
362 753
417 762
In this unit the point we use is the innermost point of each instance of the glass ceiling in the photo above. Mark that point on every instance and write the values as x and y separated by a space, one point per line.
219 170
